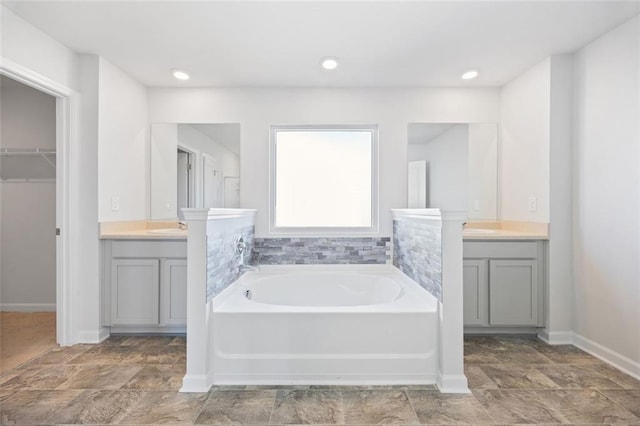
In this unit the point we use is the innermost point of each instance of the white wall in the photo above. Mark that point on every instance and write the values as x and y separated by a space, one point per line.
28 209
123 148
559 292
256 110
29 47
524 145
87 297
482 166
164 176
607 192
447 171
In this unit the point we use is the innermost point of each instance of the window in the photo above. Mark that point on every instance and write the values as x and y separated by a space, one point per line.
323 179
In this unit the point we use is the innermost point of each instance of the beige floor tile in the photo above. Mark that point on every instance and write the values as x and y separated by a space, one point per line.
378 407
159 407
101 376
238 407
433 407
308 407
30 407
587 406
96 407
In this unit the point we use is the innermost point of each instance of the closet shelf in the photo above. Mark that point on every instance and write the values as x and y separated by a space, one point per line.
27 165
34 151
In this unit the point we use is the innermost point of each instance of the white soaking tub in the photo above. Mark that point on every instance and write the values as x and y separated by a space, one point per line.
342 324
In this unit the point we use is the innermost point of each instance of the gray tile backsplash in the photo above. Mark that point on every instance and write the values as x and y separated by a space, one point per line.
322 250
417 251
222 259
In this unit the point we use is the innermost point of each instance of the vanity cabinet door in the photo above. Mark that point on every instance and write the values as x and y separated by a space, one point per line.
134 291
173 298
513 292
476 293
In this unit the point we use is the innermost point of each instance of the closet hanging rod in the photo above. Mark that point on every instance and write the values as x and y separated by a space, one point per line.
35 151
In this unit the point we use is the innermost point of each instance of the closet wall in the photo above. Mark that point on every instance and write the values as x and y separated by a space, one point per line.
27 198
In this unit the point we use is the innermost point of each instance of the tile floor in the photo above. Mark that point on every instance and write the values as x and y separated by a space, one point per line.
134 380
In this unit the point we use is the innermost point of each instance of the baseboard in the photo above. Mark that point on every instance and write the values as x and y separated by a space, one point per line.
452 383
323 379
619 361
555 337
92 336
104 333
499 330
27 307
197 383
153 329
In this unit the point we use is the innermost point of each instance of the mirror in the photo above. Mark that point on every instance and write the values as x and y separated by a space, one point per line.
454 167
194 165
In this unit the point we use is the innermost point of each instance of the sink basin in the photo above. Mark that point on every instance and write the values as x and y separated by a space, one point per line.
479 231
167 231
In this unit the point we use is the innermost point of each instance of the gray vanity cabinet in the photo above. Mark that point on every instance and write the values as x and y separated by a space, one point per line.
476 292
134 291
145 285
503 284
173 286
513 292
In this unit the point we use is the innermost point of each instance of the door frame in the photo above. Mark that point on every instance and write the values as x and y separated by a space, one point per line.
67 193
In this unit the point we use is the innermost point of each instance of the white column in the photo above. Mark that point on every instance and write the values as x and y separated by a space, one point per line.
451 378
195 379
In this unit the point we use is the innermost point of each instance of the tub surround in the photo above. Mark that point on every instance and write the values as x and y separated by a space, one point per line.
417 252
505 230
322 250
205 225
223 260
451 378
142 229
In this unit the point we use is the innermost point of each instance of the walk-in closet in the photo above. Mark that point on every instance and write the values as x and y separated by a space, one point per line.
27 223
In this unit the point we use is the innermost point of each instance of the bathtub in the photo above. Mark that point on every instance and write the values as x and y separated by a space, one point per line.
342 324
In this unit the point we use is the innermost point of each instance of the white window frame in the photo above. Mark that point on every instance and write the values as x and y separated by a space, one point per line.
316 230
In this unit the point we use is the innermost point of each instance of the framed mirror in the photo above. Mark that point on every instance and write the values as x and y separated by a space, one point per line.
454 166
193 165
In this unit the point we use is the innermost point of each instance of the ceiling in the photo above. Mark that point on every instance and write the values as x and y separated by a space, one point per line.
280 43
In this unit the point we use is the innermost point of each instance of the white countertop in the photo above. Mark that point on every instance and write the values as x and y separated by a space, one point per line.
142 230
505 230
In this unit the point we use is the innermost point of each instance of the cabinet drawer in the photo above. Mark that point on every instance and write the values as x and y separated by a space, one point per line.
502 249
148 249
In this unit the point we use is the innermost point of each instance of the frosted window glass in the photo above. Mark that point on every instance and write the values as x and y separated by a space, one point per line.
323 178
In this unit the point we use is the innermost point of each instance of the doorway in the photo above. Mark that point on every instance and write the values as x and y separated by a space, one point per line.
186 191
28 257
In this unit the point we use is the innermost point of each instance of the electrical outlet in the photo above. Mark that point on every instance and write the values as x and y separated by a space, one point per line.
476 205
115 204
169 205
533 204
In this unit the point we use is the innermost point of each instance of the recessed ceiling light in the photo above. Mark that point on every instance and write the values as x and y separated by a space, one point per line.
180 75
471 74
329 63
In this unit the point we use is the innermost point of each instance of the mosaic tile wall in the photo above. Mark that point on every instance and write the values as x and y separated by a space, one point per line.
417 251
222 260
314 251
